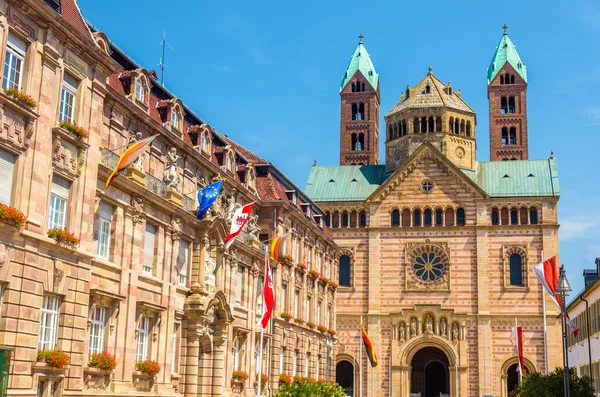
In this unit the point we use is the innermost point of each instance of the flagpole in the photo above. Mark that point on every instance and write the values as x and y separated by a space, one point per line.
360 359
259 365
545 333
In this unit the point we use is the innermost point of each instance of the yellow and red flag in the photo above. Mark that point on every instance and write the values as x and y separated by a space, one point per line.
129 156
369 346
276 249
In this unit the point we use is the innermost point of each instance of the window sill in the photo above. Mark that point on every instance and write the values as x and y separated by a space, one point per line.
150 279
516 288
182 289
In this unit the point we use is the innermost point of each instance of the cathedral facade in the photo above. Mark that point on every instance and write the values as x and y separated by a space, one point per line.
436 245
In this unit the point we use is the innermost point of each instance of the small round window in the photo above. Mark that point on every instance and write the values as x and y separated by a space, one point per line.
426 186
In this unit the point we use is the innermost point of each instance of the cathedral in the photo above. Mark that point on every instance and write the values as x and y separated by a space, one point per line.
436 245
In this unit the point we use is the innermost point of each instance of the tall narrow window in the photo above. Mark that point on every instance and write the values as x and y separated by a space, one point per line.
363 219
149 243
175 352
416 125
140 90
59 196
104 229
514 217
427 218
361 111
495 217
417 218
395 218
423 125
175 119
516 269
14 62
345 219
7 170
328 219
182 262
354 111
513 136
309 257
345 268
504 136
533 216
97 330
360 145
451 124
48 322
430 125
239 285
282 302
511 104
296 299
503 105
142 340
460 217
282 360
307 309
67 98
439 217
328 319
259 294
468 128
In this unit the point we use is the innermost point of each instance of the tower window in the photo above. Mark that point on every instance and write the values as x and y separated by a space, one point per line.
328 219
427 89
417 218
449 217
533 216
405 218
354 141
416 125
423 125
390 133
427 217
430 126
353 87
361 142
468 128
511 104
462 127
395 218
439 217
512 78
361 111
504 136
403 127
503 105
345 219
451 124
501 79
363 84
438 124
363 219
514 217
506 78
513 135
495 218
460 217
456 126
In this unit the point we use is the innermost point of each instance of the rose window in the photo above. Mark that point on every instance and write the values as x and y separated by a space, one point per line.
429 266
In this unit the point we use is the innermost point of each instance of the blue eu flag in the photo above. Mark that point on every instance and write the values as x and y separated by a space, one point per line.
207 197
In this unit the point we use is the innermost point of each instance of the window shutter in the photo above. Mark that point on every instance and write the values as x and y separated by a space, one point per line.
17 43
149 245
70 82
7 168
106 211
60 187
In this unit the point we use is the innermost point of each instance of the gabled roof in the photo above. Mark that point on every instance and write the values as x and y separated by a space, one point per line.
361 60
439 95
344 183
506 51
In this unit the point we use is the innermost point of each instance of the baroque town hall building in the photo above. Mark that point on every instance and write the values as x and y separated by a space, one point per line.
437 246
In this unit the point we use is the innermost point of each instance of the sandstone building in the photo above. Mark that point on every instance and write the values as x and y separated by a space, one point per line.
437 245
147 280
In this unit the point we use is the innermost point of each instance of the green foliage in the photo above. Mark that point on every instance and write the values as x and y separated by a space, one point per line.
551 385
307 387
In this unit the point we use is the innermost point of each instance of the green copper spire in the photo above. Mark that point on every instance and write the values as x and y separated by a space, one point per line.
361 61
506 52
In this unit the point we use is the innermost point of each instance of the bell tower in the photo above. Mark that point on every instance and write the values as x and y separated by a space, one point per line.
359 115
507 96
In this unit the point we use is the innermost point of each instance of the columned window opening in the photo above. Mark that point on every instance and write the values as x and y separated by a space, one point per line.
427 217
354 111
406 218
439 217
363 219
361 141
504 216
395 218
495 217
438 124
460 217
345 219
353 219
362 88
353 87
504 136
462 127
431 125
513 135
361 111
501 79
451 124
514 217
417 218
511 104
523 216
468 128
456 126
328 219
416 125
512 78
403 127
423 125
503 105
533 216
449 217
354 141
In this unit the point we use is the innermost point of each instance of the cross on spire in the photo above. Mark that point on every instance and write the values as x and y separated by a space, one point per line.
360 37
505 27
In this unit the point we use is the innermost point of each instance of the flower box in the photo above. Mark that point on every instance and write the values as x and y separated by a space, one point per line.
55 358
322 328
63 236
78 131
331 332
285 379
12 216
239 375
333 284
21 97
311 325
96 378
142 381
314 274
301 266
287 258
148 367
299 320
104 361
324 280
286 315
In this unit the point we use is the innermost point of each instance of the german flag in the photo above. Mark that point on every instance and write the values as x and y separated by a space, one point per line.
369 346
277 248
129 156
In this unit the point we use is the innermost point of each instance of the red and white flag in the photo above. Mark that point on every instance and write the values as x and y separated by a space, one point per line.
547 273
518 337
240 217
268 294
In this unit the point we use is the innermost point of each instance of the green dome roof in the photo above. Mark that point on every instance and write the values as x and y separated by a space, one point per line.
361 60
506 52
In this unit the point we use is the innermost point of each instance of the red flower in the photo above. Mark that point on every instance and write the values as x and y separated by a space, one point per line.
12 216
55 358
285 378
105 361
80 132
149 367
239 375
20 96
63 236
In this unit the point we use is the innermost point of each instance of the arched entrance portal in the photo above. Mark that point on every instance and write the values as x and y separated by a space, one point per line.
512 378
429 375
344 376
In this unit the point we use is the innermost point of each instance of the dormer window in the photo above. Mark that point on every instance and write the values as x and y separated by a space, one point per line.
140 90
294 200
203 143
308 211
175 119
250 177
291 195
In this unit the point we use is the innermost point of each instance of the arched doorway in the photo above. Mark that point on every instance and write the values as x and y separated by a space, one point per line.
344 376
512 378
429 375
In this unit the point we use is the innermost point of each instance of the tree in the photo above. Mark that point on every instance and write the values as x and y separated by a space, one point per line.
537 385
307 387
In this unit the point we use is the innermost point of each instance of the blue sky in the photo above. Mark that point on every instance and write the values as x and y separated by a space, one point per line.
268 73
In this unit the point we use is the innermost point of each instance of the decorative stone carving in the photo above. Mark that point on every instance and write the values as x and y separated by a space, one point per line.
455 332
210 265
68 153
427 266
139 163
96 379
429 326
58 276
231 205
255 269
170 175
402 338
285 274
443 326
137 209
321 291
253 228
413 327
175 229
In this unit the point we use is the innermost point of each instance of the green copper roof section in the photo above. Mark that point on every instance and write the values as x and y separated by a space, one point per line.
344 183
361 60
506 52
517 178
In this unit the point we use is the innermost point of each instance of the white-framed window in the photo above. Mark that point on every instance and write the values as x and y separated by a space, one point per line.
259 294
239 285
309 257
319 312
296 299
97 330
104 229
7 170
306 364
282 360
203 142
308 307
295 363
175 354
182 262
283 297
237 346
14 62
59 197
48 322
229 162
328 324
328 269
175 119
298 250
67 98
149 243
140 90
143 338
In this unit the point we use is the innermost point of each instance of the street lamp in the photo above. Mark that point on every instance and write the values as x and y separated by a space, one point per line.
562 291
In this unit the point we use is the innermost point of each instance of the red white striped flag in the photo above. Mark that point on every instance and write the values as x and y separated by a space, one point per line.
268 294
240 217
547 273
518 337
129 156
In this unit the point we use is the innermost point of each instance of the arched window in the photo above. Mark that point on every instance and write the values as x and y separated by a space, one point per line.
428 89
417 218
427 217
361 141
345 279
336 219
507 78
495 218
361 111
353 219
363 219
363 87
345 219
405 218
513 135
511 104
449 217
516 269
403 127
501 79
353 87
430 127
462 127
533 216
504 216
451 124
354 141
469 128
328 219
390 132
438 124
512 78
354 111
395 218
503 105
456 126
523 216
423 125
514 217
416 125
504 136
439 217
460 217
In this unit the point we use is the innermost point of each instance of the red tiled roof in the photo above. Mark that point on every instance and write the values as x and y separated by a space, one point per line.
265 188
71 12
250 156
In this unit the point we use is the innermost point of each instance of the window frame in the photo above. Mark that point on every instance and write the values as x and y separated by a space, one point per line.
140 87
19 55
50 312
59 203
96 342
68 99
104 234
143 339
182 268
148 268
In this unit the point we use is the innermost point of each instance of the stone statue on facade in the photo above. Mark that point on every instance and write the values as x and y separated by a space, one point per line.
402 333
455 332
139 163
171 176
443 326
210 265
253 228
429 325
413 327
231 204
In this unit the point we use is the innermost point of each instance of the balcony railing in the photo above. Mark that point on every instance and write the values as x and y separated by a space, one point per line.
155 185
189 204
109 159
246 239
